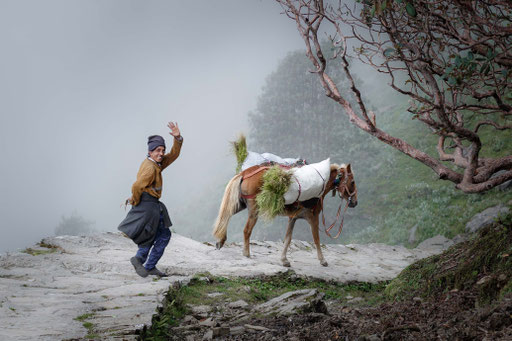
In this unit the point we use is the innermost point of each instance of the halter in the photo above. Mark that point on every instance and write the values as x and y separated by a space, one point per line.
341 187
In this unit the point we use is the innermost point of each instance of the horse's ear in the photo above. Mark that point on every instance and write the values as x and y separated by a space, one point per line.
349 169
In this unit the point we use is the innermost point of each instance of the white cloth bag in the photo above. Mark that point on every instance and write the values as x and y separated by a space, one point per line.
308 182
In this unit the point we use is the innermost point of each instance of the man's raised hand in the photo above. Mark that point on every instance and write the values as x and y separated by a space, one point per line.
175 131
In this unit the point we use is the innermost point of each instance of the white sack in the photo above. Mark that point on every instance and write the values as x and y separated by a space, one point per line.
312 179
254 159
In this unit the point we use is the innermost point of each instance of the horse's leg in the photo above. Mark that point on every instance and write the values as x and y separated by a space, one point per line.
251 221
287 240
313 222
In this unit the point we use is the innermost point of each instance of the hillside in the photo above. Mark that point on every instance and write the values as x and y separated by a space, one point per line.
465 293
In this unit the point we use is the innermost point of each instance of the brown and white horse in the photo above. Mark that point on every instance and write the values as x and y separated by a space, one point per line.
243 188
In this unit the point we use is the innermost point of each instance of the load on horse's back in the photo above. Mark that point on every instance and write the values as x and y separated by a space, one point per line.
267 189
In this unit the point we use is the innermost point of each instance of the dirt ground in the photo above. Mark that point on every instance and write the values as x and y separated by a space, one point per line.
449 317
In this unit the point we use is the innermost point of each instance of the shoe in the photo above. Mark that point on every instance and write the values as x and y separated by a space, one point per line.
139 268
156 272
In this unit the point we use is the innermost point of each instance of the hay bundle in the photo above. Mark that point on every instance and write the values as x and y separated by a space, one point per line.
270 200
240 150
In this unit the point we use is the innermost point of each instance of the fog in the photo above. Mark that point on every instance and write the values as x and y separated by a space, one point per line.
83 83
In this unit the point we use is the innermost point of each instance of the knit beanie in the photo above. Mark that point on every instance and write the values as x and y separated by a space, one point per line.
155 141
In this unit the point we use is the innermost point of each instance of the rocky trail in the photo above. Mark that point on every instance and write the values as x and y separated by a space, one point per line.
78 287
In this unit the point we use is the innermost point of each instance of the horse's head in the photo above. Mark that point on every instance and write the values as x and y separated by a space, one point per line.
345 185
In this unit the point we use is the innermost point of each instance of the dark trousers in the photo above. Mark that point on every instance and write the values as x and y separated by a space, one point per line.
157 248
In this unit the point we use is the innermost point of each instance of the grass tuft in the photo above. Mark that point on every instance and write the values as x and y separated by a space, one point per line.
240 150
270 200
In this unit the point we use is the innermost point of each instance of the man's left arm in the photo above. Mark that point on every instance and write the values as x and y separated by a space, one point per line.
176 146
174 153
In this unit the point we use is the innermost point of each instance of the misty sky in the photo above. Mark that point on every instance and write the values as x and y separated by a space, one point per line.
84 82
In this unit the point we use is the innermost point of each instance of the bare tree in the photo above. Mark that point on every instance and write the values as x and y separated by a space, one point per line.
452 58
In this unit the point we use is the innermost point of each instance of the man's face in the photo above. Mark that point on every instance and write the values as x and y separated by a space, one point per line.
157 154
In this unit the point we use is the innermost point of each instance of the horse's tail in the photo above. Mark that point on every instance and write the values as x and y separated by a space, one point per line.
229 206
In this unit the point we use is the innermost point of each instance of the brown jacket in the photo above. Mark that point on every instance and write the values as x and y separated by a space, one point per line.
149 177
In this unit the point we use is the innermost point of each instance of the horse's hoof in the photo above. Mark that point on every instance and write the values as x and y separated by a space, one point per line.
324 263
286 263
218 245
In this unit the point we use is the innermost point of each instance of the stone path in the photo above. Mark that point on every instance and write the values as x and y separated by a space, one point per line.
42 296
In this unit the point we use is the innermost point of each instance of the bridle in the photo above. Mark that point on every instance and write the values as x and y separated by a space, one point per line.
342 187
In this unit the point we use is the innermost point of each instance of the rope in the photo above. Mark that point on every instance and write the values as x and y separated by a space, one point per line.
327 230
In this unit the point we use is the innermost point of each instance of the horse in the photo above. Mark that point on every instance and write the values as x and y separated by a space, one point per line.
241 192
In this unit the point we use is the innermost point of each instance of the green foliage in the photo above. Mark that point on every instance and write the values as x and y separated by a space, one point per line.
276 182
167 316
74 225
240 150
482 265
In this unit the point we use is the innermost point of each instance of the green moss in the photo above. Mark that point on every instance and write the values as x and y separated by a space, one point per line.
240 149
481 265
88 325
38 252
84 317
270 200
48 248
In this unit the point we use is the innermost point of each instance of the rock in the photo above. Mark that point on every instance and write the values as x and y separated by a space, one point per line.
238 304
412 234
485 218
356 300
209 322
237 330
257 328
208 335
221 331
190 338
215 294
483 280
299 301
438 242
200 310
189 319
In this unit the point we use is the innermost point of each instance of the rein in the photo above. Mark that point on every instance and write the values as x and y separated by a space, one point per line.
342 188
335 221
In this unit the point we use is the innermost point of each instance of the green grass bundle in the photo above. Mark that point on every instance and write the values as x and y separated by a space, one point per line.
276 182
240 150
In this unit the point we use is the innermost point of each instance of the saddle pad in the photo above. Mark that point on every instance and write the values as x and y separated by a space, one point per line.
254 159
308 182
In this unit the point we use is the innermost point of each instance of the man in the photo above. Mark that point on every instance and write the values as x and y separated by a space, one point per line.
148 222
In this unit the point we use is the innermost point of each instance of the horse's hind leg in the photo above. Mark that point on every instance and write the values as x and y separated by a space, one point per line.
313 222
287 240
251 221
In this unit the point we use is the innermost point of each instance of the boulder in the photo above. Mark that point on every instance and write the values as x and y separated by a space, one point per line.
238 304
293 302
485 218
437 243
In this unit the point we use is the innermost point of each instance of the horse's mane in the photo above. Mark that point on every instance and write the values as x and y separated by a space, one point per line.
335 166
